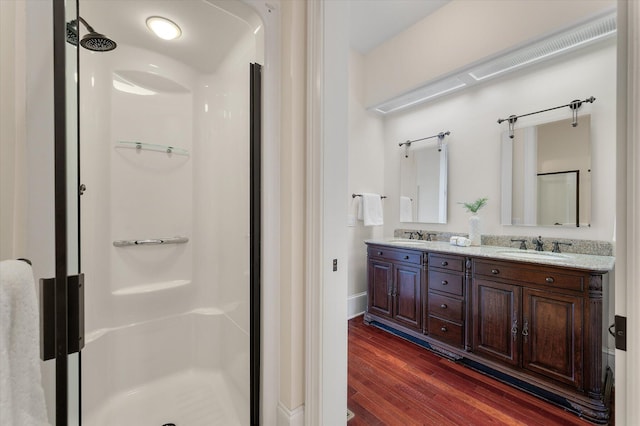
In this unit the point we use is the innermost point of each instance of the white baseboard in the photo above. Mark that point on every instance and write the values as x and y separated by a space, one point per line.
288 417
356 304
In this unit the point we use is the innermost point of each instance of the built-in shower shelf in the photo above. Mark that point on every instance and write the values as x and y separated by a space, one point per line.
142 146
151 287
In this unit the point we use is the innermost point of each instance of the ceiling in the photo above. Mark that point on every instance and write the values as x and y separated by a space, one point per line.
372 22
209 32
205 23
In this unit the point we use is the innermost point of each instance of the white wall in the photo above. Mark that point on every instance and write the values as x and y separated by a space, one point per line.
474 143
292 230
463 32
12 132
365 174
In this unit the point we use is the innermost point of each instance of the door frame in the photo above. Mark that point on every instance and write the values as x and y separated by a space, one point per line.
60 213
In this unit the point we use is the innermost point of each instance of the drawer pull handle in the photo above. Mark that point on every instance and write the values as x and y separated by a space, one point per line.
495 271
445 282
444 263
443 329
443 306
549 280
406 257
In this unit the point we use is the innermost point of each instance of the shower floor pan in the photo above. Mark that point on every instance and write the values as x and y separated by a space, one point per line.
192 398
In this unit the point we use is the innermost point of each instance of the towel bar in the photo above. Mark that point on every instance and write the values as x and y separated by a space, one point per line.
151 242
360 195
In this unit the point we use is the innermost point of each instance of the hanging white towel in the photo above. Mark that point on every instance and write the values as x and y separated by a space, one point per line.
358 206
406 209
21 394
372 209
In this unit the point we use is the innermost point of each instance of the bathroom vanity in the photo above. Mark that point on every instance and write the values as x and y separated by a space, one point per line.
531 319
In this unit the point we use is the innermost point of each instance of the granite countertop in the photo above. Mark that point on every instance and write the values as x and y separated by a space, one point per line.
570 260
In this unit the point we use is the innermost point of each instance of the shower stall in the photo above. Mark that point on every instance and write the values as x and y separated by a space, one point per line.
168 221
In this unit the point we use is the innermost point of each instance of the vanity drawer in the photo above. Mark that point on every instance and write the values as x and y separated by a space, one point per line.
445 307
541 276
395 255
446 331
445 282
446 262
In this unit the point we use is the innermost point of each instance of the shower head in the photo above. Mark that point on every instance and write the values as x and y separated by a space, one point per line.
97 42
93 41
72 33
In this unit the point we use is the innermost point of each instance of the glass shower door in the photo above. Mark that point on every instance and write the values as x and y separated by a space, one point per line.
170 216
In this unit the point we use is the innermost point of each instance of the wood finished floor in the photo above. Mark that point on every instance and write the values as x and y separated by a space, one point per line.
395 382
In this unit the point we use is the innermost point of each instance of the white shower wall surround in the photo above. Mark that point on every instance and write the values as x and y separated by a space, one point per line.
171 317
165 370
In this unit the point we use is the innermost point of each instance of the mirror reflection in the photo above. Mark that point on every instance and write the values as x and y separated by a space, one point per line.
423 184
546 175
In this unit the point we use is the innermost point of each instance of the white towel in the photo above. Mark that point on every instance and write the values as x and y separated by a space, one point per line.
21 394
406 209
372 209
358 206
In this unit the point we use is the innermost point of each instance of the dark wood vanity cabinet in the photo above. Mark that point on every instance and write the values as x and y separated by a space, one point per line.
537 324
530 317
532 329
395 283
446 301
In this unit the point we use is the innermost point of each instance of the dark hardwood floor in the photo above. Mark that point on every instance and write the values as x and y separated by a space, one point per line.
395 382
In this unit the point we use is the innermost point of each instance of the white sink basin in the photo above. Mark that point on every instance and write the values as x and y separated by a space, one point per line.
406 242
533 255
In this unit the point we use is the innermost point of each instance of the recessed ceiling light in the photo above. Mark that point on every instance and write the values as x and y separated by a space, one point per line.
163 27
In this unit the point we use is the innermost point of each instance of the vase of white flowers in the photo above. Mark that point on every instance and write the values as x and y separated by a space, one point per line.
474 220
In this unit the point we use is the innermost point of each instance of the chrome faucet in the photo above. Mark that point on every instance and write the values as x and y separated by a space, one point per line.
556 246
419 234
523 243
539 243
429 234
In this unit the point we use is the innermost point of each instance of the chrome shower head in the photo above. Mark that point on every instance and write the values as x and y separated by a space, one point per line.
93 41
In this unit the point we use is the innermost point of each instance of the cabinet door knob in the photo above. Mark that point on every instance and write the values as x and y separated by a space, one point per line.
495 271
406 257
443 329
549 280
445 263
443 306
379 253
445 282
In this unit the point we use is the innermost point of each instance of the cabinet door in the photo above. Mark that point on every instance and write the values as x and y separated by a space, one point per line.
407 301
380 287
552 335
496 327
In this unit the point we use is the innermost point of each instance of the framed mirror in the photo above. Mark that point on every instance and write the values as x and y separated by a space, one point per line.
423 184
546 175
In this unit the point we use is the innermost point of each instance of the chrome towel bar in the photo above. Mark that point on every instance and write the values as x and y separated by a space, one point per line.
151 242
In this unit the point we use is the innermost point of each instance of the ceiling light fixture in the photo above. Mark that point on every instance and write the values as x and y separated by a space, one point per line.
163 27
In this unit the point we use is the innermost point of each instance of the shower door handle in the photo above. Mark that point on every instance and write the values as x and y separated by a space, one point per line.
75 316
